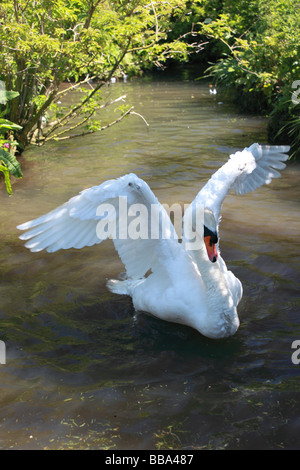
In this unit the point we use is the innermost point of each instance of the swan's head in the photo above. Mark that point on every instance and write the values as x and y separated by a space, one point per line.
201 230
210 235
132 182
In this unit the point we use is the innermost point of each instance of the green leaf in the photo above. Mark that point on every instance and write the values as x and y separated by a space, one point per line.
10 95
6 178
8 125
11 163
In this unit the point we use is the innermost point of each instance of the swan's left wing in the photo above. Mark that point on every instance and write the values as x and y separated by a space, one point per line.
125 210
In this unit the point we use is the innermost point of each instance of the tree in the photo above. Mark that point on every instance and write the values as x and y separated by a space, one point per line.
258 56
46 43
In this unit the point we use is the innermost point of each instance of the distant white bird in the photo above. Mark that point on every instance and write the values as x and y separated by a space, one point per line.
212 91
44 120
166 278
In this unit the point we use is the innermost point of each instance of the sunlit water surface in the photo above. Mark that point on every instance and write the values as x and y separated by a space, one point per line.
83 370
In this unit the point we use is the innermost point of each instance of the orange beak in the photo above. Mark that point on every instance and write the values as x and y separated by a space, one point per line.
211 249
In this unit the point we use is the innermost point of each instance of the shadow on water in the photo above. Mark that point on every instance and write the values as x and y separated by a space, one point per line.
83 369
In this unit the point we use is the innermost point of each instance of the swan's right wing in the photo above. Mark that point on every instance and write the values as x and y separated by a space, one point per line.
269 159
244 171
118 209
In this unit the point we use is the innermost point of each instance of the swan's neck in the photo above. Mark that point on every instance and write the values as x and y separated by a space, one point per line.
217 188
221 318
211 273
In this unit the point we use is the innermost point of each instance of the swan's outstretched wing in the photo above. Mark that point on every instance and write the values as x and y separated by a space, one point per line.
244 171
268 160
119 209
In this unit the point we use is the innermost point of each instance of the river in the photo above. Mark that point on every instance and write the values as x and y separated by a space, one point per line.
83 370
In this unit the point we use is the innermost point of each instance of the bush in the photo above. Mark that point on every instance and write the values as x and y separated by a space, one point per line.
259 50
9 165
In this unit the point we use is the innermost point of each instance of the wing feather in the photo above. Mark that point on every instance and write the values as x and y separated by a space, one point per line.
268 159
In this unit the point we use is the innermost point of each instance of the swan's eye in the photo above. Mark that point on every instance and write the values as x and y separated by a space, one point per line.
213 236
129 184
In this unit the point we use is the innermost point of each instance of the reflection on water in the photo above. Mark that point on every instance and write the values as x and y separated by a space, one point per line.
83 369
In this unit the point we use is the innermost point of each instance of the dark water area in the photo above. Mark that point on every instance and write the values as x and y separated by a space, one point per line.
83 369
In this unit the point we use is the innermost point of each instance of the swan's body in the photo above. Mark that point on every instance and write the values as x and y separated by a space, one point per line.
185 285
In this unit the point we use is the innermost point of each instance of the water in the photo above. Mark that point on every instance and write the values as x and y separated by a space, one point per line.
84 371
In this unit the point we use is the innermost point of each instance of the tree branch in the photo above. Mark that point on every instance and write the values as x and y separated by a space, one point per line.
33 121
92 131
62 122
92 10
16 6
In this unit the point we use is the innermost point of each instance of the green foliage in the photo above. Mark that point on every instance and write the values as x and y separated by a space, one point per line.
262 42
254 46
5 171
288 117
44 43
257 50
9 165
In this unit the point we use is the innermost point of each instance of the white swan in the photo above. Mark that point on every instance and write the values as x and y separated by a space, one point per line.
166 278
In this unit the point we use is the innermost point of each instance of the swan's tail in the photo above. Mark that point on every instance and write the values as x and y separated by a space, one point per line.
121 287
